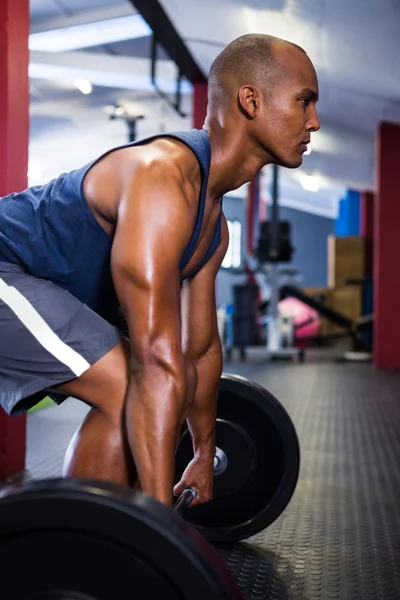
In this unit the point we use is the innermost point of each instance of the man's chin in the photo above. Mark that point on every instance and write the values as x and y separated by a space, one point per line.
294 163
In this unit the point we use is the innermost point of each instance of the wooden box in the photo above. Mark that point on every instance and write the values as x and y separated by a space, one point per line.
346 259
347 301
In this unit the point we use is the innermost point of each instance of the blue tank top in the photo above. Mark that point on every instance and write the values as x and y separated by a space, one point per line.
51 232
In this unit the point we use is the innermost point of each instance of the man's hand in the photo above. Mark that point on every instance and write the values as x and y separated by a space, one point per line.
199 475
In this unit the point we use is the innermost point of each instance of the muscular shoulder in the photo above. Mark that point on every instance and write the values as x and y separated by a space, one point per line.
165 153
163 161
160 165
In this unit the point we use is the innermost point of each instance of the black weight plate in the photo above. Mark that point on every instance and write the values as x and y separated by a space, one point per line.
240 462
98 541
260 477
59 595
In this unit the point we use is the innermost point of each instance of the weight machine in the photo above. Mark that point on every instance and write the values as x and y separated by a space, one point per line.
273 332
274 247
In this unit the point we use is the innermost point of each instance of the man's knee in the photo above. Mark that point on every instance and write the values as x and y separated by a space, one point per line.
112 382
104 385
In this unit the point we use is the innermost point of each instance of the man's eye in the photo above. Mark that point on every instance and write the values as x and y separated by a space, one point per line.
305 101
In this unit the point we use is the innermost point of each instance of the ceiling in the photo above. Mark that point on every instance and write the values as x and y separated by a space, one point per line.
354 44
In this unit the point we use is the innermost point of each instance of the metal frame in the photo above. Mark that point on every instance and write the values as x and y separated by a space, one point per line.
178 97
164 33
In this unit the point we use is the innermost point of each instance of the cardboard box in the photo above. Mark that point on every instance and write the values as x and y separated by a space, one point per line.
347 301
346 259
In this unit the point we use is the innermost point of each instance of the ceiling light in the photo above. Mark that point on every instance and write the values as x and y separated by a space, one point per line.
107 78
309 183
90 34
34 174
308 151
83 86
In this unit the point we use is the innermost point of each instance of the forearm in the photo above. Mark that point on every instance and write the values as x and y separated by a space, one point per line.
155 406
202 415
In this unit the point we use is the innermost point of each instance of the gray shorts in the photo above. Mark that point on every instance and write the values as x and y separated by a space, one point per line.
47 337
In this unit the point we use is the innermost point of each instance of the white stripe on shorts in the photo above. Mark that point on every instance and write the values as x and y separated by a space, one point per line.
38 327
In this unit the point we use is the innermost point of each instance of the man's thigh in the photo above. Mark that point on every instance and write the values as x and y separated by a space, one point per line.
47 337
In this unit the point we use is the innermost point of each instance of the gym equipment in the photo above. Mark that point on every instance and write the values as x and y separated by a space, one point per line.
137 543
274 249
256 464
354 329
245 326
274 246
245 322
139 547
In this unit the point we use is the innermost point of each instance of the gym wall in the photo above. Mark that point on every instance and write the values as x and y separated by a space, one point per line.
309 238
234 210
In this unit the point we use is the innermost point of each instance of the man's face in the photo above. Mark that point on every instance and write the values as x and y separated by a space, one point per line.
288 115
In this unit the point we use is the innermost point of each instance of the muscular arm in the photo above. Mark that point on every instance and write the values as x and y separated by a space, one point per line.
202 344
154 225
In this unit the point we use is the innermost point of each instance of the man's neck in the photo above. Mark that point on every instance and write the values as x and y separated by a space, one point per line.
235 160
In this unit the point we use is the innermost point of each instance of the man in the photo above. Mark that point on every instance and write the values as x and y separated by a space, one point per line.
142 228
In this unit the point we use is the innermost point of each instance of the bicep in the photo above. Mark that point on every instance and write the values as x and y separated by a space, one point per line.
199 310
149 241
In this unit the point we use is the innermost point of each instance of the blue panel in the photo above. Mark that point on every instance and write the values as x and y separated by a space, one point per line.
353 200
348 219
340 222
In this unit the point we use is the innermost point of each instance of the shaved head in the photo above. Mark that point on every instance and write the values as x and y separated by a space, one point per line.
250 59
262 95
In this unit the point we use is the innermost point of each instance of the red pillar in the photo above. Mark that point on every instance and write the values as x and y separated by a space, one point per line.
262 209
14 138
252 219
367 228
199 104
387 248
251 207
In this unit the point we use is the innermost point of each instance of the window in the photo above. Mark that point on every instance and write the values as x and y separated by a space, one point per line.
233 256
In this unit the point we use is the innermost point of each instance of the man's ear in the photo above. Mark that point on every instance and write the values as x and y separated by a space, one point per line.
248 99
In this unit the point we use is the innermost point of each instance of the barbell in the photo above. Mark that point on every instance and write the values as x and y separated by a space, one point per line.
82 539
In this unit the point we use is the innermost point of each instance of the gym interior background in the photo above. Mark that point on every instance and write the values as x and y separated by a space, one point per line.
308 290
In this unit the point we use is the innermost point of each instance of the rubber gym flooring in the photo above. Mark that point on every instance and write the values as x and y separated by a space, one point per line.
340 535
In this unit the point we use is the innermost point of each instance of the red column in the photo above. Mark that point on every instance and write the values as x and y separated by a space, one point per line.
262 208
199 104
252 218
387 248
14 138
367 228
251 208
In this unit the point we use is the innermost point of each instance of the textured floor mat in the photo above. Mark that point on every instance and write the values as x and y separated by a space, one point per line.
340 535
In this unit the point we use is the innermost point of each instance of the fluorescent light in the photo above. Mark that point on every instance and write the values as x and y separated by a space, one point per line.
83 86
308 151
90 34
126 81
35 175
309 183
110 71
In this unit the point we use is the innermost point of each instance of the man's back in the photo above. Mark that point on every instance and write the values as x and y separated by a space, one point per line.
52 232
